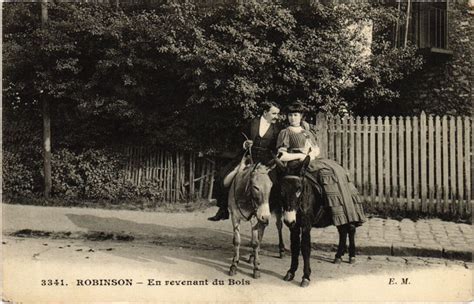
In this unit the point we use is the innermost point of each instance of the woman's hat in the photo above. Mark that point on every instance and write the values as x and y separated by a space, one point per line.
298 107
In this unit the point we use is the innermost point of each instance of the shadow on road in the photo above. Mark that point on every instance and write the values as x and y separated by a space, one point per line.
211 248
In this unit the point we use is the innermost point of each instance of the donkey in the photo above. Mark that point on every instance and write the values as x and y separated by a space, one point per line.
249 196
304 207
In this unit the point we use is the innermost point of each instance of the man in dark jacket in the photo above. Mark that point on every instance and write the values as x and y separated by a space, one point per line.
262 134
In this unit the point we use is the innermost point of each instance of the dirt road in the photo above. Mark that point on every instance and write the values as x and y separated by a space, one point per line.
140 271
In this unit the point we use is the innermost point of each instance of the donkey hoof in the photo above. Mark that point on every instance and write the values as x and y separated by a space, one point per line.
337 261
232 270
256 274
352 260
251 259
282 254
304 282
289 276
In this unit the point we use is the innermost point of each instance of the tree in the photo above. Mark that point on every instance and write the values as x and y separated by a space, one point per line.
378 87
185 78
46 121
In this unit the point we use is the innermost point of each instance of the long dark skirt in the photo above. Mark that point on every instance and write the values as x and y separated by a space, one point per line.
339 193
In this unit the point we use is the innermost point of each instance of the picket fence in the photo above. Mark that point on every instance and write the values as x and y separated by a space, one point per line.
421 163
181 176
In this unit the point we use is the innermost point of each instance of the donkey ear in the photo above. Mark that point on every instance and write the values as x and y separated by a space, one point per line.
278 163
271 166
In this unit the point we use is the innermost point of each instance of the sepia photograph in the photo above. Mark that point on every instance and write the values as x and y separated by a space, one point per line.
237 151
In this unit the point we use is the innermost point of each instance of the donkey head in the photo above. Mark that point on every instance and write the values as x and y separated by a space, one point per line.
259 188
291 191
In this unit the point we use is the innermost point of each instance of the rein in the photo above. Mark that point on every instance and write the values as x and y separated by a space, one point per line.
249 149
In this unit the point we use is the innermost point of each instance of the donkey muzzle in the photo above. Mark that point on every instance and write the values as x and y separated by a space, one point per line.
289 218
263 214
264 221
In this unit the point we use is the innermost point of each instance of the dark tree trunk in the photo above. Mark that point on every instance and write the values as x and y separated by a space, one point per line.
46 121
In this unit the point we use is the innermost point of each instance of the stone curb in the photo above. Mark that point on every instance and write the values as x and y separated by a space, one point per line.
396 249
389 249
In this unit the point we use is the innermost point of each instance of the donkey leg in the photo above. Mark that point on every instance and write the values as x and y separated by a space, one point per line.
306 253
257 235
295 252
236 241
352 246
279 225
341 248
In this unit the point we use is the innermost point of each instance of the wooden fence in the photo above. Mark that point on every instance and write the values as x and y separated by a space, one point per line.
181 176
405 163
399 163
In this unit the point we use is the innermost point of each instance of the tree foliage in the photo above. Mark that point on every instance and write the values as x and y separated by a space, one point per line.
182 77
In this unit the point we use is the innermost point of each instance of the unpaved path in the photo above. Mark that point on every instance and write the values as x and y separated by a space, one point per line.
28 261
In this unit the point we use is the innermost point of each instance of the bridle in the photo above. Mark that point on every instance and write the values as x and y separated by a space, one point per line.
299 198
302 177
253 200
320 212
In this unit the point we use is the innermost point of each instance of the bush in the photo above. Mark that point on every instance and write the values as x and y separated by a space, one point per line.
18 178
66 179
148 190
102 173
91 174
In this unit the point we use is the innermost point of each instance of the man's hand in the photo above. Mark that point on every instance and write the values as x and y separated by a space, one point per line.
248 144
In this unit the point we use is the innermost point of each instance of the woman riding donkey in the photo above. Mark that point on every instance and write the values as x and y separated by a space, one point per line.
317 192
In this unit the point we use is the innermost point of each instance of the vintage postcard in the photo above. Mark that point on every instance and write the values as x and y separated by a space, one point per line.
237 151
